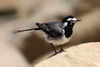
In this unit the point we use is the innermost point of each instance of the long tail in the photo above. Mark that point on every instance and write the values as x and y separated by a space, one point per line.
33 29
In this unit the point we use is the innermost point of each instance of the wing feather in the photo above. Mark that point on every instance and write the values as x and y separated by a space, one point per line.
52 29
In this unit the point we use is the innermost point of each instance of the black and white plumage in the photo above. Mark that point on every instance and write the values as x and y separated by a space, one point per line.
57 33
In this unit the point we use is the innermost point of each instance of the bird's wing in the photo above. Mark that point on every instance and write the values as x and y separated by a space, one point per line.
52 29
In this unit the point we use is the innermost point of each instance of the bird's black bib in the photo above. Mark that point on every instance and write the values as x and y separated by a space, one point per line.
68 31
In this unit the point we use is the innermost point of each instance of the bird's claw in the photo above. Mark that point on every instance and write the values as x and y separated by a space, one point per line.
62 50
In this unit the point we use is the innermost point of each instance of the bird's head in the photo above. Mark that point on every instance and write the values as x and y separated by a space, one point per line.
69 21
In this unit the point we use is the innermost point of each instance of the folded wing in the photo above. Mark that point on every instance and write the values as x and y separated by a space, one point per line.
50 29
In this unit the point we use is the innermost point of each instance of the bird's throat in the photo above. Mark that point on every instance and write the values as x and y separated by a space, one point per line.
68 31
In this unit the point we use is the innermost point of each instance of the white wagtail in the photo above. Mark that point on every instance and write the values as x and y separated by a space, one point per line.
57 33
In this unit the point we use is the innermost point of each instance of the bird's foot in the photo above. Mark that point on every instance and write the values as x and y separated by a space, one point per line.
62 50
54 54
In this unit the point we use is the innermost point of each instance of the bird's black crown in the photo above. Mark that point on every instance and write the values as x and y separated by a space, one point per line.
65 19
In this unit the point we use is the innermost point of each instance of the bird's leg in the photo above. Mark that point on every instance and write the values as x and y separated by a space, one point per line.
61 50
54 49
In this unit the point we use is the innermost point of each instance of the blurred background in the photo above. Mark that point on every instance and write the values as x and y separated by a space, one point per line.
29 48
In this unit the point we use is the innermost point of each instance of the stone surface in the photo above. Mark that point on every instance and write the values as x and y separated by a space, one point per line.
11 57
83 55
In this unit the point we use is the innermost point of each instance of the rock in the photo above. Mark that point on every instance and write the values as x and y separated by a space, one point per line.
11 57
83 55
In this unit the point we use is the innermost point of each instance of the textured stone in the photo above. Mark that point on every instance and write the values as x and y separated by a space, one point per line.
83 55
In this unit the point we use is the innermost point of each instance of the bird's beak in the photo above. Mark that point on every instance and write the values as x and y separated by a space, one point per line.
78 20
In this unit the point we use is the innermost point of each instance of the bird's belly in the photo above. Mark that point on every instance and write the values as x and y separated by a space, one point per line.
59 41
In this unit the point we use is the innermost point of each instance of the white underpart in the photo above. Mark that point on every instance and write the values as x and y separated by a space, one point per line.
58 42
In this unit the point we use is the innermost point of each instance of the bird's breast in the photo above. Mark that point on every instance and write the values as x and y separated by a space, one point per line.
57 41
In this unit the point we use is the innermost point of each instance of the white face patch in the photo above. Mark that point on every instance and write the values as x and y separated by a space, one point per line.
72 19
69 19
65 24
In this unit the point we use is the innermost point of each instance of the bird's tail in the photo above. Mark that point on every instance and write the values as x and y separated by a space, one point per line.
33 29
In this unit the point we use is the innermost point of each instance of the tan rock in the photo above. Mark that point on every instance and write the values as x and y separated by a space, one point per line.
11 57
84 55
89 52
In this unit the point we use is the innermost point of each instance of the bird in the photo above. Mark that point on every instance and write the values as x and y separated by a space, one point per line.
56 33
